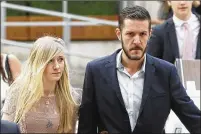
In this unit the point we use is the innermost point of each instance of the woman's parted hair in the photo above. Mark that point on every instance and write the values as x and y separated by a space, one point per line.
30 85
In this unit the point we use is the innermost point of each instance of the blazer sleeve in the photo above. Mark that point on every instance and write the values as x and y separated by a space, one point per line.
155 43
87 112
17 130
182 105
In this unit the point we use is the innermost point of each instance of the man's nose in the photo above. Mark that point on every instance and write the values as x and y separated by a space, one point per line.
182 2
136 39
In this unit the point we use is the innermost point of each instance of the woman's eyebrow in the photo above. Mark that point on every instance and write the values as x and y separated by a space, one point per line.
60 56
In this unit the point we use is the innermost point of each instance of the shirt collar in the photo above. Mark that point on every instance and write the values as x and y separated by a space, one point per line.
178 22
120 66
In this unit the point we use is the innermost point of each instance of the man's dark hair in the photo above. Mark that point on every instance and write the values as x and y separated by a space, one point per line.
134 13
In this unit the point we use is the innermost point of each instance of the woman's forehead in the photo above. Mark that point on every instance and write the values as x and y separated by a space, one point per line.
60 54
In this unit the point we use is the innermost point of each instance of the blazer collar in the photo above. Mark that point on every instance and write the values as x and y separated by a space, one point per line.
171 34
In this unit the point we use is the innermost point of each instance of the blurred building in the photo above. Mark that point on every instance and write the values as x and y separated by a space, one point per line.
151 6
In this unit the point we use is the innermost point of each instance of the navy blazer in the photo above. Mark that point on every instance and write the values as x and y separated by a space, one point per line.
9 127
103 106
163 42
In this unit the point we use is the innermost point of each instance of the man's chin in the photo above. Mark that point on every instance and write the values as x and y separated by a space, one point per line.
135 57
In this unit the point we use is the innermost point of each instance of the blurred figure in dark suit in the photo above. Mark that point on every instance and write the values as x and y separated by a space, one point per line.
9 127
198 7
179 36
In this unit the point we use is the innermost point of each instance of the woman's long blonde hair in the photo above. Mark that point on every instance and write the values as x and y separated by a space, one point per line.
30 83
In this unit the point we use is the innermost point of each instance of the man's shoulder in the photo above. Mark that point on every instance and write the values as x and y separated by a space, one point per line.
164 25
160 63
5 122
99 61
105 59
7 126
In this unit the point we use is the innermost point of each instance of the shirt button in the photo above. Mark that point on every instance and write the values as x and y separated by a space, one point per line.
139 123
131 112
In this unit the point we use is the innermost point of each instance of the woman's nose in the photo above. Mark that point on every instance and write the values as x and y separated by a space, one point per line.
56 66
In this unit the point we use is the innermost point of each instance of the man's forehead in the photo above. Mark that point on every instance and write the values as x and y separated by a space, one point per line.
139 24
136 21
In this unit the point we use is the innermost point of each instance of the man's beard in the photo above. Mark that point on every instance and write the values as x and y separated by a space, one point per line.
133 57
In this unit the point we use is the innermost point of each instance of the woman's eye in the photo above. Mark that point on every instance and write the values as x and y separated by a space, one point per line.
60 59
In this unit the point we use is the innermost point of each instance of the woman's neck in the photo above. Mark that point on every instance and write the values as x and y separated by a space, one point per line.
49 88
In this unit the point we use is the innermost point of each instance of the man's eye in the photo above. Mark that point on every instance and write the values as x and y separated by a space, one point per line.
143 34
129 34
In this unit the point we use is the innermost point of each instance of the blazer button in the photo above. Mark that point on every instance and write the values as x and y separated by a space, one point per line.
104 132
139 123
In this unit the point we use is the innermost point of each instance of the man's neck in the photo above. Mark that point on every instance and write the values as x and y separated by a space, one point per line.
184 18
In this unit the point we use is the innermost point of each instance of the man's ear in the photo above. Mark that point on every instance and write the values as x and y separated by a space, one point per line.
118 33
150 32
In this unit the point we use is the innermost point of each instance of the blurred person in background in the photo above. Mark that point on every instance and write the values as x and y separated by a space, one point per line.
179 36
9 127
198 7
10 68
165 11
42 100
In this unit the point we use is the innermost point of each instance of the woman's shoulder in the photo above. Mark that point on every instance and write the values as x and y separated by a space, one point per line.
77 95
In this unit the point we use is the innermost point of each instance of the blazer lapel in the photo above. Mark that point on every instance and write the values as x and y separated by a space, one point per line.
198 48
148 80
173 38
199 41
112 80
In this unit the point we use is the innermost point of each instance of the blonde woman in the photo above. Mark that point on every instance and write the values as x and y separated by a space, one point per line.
41 100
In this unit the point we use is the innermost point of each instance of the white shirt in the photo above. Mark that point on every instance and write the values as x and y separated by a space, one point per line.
131 89
193 21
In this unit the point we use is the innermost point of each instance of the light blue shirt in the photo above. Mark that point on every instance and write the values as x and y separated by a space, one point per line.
131 89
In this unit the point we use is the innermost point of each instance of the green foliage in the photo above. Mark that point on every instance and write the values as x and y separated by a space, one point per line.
93 7
74 7
11 12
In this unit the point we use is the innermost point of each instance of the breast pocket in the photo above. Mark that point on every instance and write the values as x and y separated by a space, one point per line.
158 100
160 105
